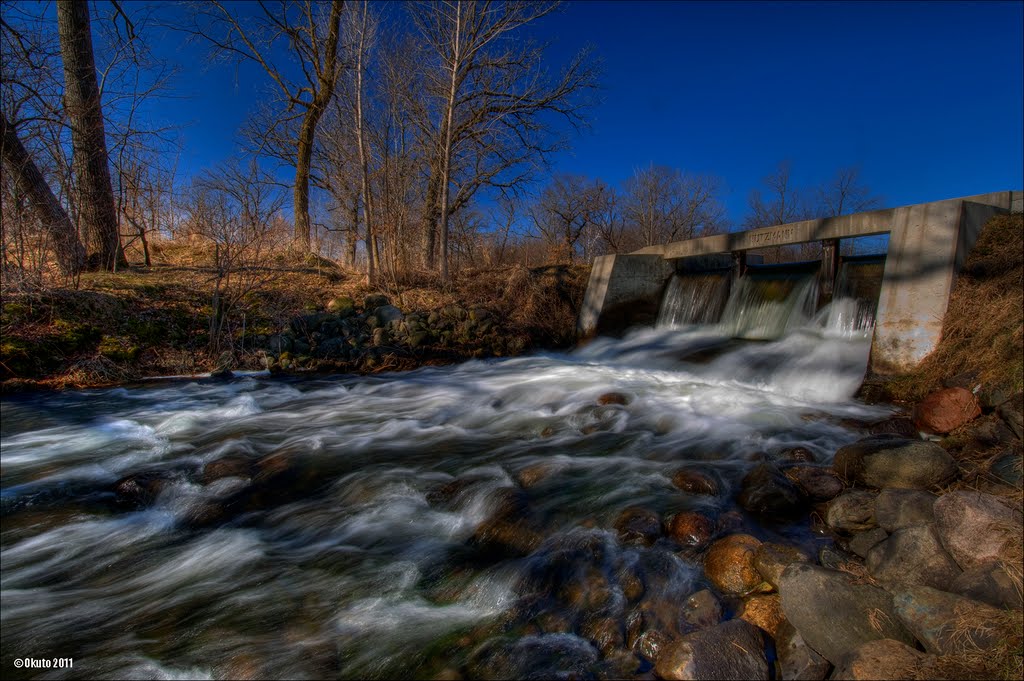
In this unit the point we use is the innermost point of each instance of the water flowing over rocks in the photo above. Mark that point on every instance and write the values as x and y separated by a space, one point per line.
528 518
766 491
729 564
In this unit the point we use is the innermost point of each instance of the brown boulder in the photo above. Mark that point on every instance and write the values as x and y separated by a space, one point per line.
690 528
729 564
820 484
946 410
764 611
613 398
695 482
638 526
977 528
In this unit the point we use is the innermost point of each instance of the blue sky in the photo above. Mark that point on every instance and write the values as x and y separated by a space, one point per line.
927 98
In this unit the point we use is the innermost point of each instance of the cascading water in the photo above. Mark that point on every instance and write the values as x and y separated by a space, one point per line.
694 299
764 306
442 521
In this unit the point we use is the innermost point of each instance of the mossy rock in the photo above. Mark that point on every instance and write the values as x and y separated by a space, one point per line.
71 338
119 349
16 358
343 306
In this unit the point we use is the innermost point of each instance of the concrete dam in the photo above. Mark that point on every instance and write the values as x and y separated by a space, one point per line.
690 281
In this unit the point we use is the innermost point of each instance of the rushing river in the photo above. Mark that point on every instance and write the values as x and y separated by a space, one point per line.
330 527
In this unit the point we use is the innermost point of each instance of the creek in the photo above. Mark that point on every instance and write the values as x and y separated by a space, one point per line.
345 526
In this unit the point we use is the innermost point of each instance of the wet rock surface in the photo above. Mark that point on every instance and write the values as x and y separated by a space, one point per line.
729 564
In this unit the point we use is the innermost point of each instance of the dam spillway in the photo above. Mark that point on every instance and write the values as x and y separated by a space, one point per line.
927 244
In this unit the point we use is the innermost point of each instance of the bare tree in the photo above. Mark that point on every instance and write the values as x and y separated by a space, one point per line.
490 92
784 203
313 41
844 194
88 136
662 204
566 209
235 207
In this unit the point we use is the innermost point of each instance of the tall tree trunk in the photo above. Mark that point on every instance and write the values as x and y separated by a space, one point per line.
364 160
430 223
88 139
446 149
326 81
303 231
44 205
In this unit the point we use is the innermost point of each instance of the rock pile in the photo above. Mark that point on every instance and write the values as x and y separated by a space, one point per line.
347 337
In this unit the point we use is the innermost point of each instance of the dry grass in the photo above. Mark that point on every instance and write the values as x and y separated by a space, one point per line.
1003 659
858 572
161 313
983 331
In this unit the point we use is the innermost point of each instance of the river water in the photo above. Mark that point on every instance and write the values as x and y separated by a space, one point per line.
331 527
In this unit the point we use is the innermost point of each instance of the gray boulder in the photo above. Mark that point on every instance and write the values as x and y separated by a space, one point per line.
989 583
732 650
899 508
819 484
888 461
977 528
884 660
797 660
913 555
386 314
946 624
1012 412
862 542
766 491
834 614
852 511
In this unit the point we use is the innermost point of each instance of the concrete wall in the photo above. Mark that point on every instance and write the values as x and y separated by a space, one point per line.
928 243
623 291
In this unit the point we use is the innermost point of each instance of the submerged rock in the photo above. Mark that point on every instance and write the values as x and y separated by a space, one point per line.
613 398
695 482
690 528
729 564
766 491
638 526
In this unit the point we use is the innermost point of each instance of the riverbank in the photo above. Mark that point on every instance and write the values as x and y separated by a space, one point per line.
307 316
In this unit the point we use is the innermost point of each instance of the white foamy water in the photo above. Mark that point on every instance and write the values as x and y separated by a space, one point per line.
361 558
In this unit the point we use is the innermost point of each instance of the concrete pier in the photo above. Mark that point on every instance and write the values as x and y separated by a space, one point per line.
928 243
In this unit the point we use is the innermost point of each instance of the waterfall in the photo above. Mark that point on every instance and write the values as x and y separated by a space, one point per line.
693 299
765 305
856 294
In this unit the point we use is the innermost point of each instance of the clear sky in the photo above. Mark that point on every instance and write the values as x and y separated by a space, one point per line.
926 97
